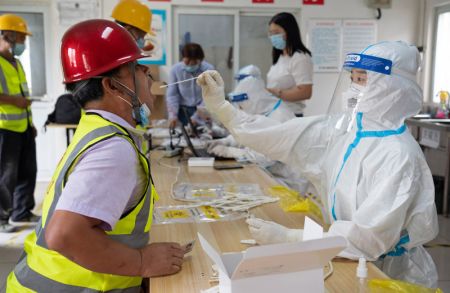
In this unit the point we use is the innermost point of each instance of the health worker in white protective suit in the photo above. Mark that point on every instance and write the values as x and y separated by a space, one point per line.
251 96
363 161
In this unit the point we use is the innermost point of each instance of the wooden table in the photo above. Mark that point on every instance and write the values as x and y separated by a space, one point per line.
226 235
70 129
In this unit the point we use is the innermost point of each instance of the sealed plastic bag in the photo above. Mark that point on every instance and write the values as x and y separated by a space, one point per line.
201 192
395 286
193 213
292 201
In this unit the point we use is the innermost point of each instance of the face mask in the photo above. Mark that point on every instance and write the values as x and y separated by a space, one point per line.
191 68
353 94
18 49
140 43
278 42
144 113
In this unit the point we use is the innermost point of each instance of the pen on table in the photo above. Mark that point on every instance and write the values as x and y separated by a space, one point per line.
166 85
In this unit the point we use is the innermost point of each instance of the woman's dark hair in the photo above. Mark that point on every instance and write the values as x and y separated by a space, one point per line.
193 51
293 39
91 89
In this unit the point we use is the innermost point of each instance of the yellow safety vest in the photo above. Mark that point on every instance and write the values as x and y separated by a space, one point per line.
43 270
13 82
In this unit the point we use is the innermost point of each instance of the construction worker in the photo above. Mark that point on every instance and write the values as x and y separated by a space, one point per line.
97 213
17 133
136 18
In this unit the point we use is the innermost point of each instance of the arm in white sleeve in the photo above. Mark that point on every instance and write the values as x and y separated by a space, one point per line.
296 141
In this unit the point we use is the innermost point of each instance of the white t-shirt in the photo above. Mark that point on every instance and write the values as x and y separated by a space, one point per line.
290 71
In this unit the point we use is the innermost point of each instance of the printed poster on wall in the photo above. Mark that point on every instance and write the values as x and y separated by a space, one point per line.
158 40
357 35
330 40
324 38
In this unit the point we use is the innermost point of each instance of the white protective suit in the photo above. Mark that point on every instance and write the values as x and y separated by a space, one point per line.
259 102
384 198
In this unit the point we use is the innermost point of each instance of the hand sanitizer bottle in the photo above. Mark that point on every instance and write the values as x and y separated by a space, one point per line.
361 275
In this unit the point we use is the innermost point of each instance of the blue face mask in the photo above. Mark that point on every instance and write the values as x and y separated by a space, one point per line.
278 42
144 113
18 49
140 43
192 68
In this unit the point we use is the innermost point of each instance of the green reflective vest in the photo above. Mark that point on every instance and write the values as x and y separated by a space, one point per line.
44 270
13 82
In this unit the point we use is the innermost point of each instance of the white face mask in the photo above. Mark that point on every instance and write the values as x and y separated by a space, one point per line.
352 95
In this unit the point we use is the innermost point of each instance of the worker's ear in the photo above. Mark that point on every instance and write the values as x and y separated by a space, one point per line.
9 36
109 86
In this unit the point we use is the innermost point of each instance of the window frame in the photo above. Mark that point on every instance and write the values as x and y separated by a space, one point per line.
437 12
45 10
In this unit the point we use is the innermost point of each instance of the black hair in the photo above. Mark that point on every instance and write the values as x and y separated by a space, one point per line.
91 89
193 51
293 38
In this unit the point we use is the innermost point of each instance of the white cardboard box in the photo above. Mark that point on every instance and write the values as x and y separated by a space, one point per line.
285 267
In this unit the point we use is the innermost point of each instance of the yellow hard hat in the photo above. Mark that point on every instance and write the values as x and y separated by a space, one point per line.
12 22
134 13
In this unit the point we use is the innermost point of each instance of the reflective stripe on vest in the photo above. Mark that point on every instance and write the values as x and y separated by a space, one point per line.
44 268
13 82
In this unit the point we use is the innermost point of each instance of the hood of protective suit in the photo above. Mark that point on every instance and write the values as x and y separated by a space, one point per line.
390 99
260 101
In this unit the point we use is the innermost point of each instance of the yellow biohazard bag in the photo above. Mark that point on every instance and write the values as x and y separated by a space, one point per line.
396 286
293 201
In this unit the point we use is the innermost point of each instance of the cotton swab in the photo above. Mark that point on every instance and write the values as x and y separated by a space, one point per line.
166 85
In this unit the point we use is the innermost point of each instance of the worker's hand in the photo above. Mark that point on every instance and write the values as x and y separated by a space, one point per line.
35 132
226 141
21 102
159 259
212 90
266 232
173 123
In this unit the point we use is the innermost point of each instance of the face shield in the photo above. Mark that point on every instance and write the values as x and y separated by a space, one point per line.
352 88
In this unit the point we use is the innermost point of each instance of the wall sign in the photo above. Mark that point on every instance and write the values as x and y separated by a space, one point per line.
159 40
263 1
313 2
330 40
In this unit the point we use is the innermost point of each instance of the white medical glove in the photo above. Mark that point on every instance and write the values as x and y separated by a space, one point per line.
267 232
228 152
212 90
226 141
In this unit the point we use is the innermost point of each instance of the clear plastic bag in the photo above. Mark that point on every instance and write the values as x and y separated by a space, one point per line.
193 213
395 286
201 192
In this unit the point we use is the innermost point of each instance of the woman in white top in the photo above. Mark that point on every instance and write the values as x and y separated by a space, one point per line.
290 76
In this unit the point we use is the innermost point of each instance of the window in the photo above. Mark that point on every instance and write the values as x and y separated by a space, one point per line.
441 63
238 38
33 58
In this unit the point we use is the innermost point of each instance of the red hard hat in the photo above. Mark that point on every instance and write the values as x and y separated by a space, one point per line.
96 46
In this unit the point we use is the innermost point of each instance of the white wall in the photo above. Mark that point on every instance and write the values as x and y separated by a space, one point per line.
401 22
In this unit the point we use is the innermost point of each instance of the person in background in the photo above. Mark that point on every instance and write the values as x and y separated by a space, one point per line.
17 133
97 212
290 78
136 18
185 98
361 158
